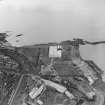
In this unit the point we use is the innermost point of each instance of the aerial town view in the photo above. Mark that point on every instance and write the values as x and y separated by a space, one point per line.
52 52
